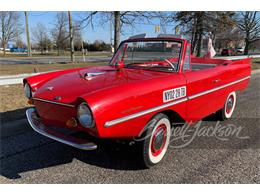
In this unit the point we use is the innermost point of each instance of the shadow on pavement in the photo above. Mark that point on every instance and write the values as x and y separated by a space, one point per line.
53 153
9 116
25 150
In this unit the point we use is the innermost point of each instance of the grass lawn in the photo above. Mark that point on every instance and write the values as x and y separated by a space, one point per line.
13 102
18 99
77 53
256 64
31 68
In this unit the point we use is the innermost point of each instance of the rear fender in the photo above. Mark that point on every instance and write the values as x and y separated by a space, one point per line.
242 61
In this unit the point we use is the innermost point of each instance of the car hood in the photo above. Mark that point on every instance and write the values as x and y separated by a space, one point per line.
66 88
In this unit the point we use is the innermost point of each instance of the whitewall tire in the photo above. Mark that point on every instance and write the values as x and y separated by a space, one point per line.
227 111
156 140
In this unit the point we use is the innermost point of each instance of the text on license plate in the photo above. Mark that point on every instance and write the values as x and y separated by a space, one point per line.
173 94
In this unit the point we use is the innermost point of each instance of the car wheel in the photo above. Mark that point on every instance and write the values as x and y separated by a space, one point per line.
228 109
156 139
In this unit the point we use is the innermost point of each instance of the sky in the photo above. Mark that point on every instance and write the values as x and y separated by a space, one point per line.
99 32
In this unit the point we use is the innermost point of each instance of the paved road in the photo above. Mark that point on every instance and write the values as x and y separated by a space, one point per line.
66 59
51 59
27 157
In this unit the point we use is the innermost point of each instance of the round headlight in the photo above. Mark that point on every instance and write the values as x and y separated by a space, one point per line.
28 91
85 116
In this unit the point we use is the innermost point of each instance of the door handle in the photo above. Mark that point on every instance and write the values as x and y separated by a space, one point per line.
216 80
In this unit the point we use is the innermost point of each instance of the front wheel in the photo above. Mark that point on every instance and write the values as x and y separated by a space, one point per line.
156 139
228 109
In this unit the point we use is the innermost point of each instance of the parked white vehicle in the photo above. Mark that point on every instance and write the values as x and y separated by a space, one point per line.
240 50
6 49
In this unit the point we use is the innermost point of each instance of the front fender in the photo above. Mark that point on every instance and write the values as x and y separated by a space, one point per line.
131 99
38 80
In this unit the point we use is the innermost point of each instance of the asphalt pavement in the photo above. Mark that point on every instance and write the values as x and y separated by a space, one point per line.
27 157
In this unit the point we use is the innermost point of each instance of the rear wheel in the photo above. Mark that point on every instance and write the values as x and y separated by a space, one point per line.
156 140
228 109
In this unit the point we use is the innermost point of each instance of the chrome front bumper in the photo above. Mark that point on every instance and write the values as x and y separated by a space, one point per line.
66 139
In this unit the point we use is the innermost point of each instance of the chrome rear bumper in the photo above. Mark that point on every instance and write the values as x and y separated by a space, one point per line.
66 139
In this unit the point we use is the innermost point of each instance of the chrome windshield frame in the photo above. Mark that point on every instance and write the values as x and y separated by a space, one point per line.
181 41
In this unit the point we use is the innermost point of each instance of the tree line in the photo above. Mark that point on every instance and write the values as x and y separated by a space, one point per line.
46 39
226 29
221 27
66 34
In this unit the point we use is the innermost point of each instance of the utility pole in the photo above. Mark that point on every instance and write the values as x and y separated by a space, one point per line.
29 50
71 37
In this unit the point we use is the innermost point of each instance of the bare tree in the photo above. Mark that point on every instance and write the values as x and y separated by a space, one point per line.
197 24
41 37
130 19
60 31
117 28
19 43
71 34
255 46
229 38
249 25
11 27
119 19
78 39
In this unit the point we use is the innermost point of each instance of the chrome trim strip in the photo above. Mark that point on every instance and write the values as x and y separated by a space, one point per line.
126 118
87 146
217 88
52 102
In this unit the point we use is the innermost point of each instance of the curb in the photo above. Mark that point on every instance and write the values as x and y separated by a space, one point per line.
18 76
22 75
255 71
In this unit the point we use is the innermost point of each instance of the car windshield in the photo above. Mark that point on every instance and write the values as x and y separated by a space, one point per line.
152 55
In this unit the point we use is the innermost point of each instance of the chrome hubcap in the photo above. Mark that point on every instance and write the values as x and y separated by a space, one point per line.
230 103
159 139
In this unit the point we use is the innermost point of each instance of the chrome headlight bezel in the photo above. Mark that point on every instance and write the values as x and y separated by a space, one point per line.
28 91
84 115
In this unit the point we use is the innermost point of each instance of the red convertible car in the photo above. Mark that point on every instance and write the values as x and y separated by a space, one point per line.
149 84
